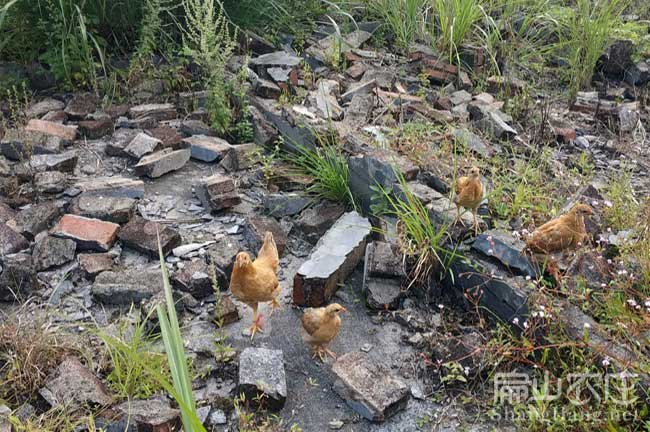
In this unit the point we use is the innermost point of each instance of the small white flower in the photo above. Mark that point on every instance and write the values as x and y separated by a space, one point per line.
525 324
605 362
631 302
466 369
528 277
609 261
608 203
586 325
594 203
603 285
489 238
541 314
542 307
515 321
441 306
609 229
534 314
490 251
637 307
647 303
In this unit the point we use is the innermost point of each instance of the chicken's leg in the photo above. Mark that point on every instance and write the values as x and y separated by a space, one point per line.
319 351
330 353
458 218
476 227
257 324
275 304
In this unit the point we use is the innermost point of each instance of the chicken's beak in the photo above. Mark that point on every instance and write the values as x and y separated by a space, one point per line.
343 309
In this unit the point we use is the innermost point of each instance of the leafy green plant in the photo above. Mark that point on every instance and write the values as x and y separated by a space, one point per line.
207 40
128 352
402 17
176 357
419 238
328 167
585 31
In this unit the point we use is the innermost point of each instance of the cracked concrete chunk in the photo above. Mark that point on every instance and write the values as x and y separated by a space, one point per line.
369 388
50 251
11 241
34 219
127 286
332 260
18 279
73 383
261 371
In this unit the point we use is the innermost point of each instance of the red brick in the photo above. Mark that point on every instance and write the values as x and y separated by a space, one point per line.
55 129
90 234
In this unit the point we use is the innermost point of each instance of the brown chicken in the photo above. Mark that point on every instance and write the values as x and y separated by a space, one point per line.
321 327
254 282
563 232
469 194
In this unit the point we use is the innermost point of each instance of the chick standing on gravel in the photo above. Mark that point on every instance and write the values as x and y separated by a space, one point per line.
321 326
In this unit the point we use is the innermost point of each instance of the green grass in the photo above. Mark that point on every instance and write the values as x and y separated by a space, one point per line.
403 18
525 189
129 351
454 23
176 357
328 167
585 31
419 238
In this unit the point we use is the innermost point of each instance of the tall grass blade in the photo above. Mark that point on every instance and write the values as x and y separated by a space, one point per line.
173 341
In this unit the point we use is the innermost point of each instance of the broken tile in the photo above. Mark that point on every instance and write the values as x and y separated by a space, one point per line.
162 162
240 156
255 229
68 133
